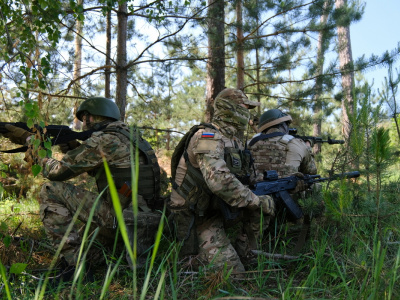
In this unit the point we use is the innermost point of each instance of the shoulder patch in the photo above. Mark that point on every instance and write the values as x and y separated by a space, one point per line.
208 135
207 142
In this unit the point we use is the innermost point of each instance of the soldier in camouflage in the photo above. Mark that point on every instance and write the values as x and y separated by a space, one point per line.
207 175
274 149
60 200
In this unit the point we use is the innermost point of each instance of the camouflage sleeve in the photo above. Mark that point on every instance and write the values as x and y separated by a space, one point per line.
210 158
308 165
301 157
88 156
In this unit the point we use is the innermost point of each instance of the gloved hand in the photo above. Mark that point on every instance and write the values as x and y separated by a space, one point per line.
69 146
267 204
301 185
309 143
16 135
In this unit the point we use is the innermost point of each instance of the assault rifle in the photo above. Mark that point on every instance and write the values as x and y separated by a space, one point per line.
59 134
278 188
315 140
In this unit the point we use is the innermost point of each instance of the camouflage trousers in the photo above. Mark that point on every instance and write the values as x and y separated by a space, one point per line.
60 201
216 248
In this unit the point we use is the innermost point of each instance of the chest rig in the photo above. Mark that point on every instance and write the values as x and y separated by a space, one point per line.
149 172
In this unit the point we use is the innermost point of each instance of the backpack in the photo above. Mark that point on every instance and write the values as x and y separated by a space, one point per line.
182 146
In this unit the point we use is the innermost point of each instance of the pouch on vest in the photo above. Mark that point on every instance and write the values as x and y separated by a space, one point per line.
233 161
185 231
146 226
198 200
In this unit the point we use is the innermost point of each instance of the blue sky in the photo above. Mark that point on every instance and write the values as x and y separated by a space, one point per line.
376 32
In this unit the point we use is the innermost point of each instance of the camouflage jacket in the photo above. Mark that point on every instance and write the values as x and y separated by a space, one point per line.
88 157
206 151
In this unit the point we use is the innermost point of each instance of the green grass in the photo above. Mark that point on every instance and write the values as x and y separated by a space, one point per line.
352 252
334 264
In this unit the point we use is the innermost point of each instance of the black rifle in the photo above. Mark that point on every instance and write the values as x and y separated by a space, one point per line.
59 134
278 188
315 140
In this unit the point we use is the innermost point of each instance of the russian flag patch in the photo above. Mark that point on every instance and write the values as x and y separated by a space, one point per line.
207 135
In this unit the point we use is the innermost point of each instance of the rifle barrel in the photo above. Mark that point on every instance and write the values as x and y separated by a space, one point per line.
353 174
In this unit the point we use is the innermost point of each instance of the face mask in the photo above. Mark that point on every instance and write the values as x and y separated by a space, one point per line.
231 114
87 124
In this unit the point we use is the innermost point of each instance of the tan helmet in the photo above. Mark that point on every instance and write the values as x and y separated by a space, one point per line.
236 96
271 118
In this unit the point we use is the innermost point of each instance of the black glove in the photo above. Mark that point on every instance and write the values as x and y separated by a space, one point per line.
16 134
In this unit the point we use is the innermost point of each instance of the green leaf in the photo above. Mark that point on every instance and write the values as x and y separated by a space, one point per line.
47 145
42 153
28 106
3 226
7 240
17 268
36 170
36 143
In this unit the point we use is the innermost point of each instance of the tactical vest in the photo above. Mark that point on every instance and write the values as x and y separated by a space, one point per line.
149 173
271 155
193 187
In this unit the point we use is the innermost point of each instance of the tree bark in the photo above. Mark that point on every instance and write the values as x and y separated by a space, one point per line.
216 55
345 60
121 68
239 54
77 125
107 73
317 106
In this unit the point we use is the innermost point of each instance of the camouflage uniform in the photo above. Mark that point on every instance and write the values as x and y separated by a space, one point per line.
215 154
273 149
285 154
59 201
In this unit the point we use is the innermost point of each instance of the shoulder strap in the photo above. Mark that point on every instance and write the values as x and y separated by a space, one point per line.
264 137
180 149
143 145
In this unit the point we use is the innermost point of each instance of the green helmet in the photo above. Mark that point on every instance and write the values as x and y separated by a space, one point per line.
99 106
271 118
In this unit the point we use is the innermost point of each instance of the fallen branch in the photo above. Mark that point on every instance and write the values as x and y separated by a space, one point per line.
275 256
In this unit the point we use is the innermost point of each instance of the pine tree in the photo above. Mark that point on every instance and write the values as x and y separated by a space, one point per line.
216 54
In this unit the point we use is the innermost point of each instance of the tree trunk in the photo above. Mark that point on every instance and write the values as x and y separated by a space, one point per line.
121 68
216 55
345 60
317 106
77 67
107 73
239 54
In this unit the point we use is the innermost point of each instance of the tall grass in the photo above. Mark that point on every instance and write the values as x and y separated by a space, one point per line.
353 252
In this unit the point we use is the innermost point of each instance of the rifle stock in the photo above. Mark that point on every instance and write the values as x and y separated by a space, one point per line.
59 134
